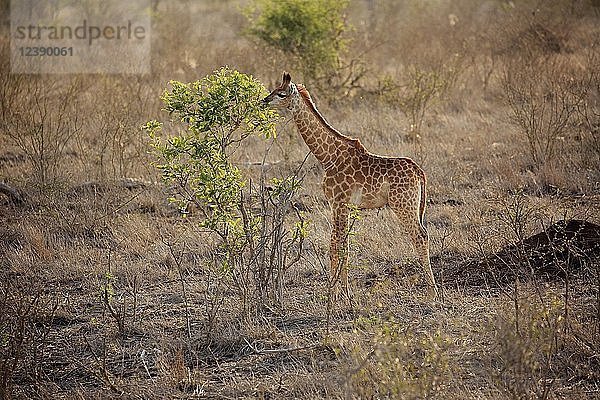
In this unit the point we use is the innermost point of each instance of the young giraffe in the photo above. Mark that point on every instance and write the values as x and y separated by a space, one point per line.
353 176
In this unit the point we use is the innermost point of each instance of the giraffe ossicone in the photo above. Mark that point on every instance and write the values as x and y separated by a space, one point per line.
356 178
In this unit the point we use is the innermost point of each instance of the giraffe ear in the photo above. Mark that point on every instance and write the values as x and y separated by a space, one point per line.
286 79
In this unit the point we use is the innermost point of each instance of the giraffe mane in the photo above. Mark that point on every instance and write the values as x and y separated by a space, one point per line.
313 108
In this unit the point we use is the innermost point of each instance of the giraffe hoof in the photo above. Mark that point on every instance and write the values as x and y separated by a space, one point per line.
432 293
338 292
334 292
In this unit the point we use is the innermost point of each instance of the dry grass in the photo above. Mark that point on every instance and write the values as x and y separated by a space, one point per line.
106 291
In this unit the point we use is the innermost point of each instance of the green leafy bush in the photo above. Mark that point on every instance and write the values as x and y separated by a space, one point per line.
219 111
252 246
309 31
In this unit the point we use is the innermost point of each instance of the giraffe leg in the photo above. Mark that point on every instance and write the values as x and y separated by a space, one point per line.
338 251
421 242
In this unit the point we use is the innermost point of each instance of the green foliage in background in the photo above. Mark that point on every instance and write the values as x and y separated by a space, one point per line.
311 31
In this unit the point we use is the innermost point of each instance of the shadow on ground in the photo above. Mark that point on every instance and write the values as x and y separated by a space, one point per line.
565 248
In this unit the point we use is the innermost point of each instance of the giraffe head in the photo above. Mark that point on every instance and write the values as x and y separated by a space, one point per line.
284 98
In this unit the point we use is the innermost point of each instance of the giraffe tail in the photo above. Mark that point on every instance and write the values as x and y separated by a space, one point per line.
422 199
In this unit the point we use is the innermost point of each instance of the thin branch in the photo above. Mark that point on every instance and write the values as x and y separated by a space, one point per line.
281 350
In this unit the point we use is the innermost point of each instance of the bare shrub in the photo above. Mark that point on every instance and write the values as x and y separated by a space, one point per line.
112 146
39 115
120 300
415 94
544 95
588 111
542 338
25 324
527 340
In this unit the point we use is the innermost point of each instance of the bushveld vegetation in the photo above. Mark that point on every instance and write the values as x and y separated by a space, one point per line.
189 259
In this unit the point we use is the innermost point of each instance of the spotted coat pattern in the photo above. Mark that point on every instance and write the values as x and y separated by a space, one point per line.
355 177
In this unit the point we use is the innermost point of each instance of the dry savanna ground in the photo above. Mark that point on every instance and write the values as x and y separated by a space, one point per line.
106 291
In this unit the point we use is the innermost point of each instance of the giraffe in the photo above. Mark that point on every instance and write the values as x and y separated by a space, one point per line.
353 177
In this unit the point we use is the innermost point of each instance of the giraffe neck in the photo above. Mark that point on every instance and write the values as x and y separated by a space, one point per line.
325 142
